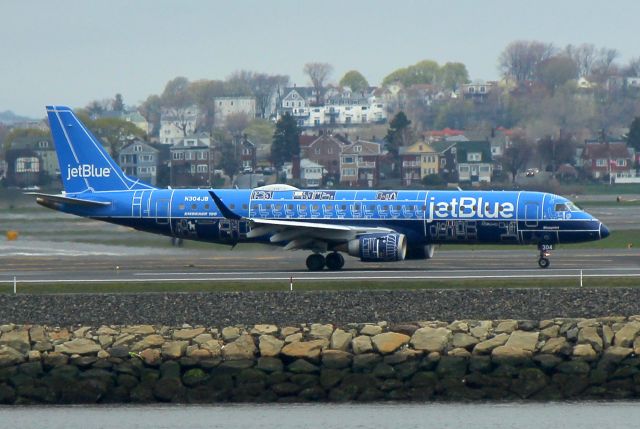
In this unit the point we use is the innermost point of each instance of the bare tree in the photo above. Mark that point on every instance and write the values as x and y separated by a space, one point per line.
177 99
632 69
517 156
236 123
318 73
584 56
520 59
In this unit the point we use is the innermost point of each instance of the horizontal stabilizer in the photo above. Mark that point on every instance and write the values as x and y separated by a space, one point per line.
63 199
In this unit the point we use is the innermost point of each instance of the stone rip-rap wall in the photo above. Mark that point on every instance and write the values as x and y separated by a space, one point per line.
461 360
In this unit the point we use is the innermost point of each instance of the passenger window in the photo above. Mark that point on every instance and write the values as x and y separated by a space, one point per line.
303 206
278 206
329 207
206 206
181 207
398 208
290 206
244 206
344 207
314 207
232 206
194 206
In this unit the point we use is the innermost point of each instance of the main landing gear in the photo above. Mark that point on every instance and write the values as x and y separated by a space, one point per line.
545 252
316 262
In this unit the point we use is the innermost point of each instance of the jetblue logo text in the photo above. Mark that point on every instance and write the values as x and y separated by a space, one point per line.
469 207
87 170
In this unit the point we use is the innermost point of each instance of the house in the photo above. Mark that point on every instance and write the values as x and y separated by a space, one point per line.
359 164
474 161
31 161
440 135
192 162
247 154
324 150
177 123
342 107
447 166
311 173
140 159
599 159
417 161
477 91
225 106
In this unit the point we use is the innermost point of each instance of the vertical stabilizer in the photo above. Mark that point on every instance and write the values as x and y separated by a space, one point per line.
85 166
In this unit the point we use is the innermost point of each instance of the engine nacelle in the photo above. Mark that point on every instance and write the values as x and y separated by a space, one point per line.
421 252
379 247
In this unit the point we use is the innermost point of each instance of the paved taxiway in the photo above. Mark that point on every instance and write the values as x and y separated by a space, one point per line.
276 264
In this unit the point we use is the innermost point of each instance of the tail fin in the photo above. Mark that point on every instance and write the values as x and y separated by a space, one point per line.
85 166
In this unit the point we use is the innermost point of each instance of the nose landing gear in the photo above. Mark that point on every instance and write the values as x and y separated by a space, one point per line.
545 252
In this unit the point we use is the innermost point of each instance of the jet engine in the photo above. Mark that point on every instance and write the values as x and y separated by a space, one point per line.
421 252
379 247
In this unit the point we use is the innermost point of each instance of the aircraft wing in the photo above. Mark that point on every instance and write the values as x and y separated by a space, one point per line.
298 233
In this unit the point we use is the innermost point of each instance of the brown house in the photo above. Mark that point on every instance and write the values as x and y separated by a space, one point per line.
599 159
324 150
191 164
360 164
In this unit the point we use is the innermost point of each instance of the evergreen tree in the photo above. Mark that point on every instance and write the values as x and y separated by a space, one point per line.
399 133
285 140
633 139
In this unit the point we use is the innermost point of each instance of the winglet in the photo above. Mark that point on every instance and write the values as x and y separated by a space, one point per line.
226 211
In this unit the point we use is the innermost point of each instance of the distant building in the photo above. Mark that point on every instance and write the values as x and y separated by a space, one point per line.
359 164
247 154
447 166
191 163
612 157
176 124
225 106
324 150
141 160
474 161
31 161
417 161
477 91
311 173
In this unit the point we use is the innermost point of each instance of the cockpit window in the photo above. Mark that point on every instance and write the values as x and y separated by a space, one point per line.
573 207
562 207
566 207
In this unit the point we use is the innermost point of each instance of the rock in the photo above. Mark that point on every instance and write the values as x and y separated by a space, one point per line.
55 359
371 330
10 356
585 352
340 340
406 329
554 345
293 338
547 361
174 349
59 336
187 334
79 346
506 327
589 335
148 342
199 354
37 334
481 330
389 342
242 348
194 376
523 340
105 340
34 355
103 354
270 346
17 339
336 359
202 338
169 390
319 331
458 326
151 357
135 330
213 346
607 335
402 355
43 346
264 330
361 344
7 394
124 339
301 366
625 336
510 355
230 333
462 340
269 364
365 361
289 330
487 346
81 332
529 381
106 330
306 349
616 354
460 352
573 367
430 339
550 332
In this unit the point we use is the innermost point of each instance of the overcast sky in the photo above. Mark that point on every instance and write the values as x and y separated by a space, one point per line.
72 52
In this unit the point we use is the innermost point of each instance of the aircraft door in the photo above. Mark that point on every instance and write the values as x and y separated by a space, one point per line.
162 211
531 214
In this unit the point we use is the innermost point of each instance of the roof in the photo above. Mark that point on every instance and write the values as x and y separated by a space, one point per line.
442 146
128 148
444 132
606 150
482 146
426 148
368 148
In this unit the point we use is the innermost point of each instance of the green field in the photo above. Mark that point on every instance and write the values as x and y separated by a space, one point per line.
315 285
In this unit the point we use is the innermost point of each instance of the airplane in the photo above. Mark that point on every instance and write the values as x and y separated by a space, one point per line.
372 225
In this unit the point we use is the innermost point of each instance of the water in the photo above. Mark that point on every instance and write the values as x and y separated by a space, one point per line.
584 415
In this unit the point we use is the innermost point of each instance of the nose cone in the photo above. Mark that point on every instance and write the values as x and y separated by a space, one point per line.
604 231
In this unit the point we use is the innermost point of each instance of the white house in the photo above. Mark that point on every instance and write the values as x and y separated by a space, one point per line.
175 124
225 106
311 173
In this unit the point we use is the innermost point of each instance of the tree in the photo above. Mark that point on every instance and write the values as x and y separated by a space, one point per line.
556 151
318 73
114 132
399 133
151 109
584 56
118 104
260 131
21 133
520 59
516 157
177 98
285 140
452 75
204 93
633 138
236 123
229 161
354 80
423 72
632 69
557 70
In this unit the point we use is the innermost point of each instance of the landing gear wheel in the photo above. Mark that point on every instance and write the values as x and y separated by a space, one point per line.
334 261
315 262
543 262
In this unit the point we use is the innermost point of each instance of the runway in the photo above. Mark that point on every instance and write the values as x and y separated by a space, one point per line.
278 265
